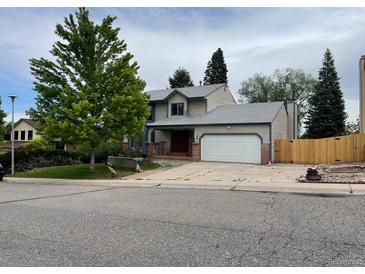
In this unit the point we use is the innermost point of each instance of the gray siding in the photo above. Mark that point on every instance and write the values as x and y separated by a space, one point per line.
279 128
292 120
160 111
163 136
196 108
221 96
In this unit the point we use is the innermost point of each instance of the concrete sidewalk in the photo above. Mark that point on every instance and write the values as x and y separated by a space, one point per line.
262 186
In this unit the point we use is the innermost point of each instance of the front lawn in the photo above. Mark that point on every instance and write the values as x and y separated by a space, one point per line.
148 165
80 171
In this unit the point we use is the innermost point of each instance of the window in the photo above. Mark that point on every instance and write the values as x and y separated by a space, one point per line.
30 135
16 135
177 109
22 135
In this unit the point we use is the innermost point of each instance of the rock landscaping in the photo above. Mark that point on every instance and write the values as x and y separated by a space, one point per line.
337 174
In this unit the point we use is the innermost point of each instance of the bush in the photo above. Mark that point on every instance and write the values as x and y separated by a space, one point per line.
37 144
26 159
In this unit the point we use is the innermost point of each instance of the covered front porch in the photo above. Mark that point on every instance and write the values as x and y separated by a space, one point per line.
170 142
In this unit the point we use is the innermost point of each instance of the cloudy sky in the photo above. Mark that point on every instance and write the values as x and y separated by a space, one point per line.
162 39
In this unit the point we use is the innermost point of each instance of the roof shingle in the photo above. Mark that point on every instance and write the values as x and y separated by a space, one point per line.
253 113
189 92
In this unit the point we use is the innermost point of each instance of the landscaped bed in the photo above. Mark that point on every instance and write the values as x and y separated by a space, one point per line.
81 171
338 174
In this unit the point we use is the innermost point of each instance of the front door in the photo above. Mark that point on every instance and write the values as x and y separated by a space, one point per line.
180 141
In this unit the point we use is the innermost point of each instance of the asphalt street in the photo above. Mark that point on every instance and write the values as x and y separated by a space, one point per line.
44 225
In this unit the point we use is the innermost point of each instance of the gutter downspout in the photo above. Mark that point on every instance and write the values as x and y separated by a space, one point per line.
362 93
270 145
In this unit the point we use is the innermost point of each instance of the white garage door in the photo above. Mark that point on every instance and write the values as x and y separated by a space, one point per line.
231 148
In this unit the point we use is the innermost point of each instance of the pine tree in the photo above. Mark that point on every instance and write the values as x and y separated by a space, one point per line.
326 114
180 79
216 72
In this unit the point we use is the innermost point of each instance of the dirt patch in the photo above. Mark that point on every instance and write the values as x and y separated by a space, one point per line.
345 169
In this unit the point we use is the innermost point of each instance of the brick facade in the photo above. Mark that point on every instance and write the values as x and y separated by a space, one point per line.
195 151
159 149
265 154
149 150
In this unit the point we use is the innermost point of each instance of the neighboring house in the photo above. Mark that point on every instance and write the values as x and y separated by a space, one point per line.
24 130
205 123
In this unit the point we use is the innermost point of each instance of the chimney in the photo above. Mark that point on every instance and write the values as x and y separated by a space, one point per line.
362 93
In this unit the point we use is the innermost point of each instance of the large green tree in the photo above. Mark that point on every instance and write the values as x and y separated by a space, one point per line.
291 85
2 123
91 92
216 72
326 110
180 79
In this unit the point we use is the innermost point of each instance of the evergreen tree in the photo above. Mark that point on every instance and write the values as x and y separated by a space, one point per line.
90 92
216 72
180 79
326 113
2 123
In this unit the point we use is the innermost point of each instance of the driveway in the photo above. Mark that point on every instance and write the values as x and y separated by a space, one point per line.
203 172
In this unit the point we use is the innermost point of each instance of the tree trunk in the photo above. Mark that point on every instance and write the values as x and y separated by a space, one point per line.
92 160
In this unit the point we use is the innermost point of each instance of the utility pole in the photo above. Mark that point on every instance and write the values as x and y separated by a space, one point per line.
12 97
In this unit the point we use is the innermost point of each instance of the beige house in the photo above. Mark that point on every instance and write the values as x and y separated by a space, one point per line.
205 123
24 130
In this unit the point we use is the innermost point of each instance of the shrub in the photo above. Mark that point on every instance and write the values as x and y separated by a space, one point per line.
26 159
37 144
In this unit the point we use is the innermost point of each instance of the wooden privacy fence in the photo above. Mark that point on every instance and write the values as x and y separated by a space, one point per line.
343 149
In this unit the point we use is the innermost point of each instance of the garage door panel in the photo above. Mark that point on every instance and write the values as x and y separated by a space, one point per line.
231 148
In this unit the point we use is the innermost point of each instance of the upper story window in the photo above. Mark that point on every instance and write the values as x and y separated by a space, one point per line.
177 109
22 135
30 135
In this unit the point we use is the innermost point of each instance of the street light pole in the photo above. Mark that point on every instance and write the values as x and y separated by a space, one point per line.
12 97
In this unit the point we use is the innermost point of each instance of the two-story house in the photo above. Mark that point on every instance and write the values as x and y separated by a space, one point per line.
205 123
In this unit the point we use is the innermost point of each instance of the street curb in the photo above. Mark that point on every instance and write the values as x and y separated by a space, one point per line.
318 189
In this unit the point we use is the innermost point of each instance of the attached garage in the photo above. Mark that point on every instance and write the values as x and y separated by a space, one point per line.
240 148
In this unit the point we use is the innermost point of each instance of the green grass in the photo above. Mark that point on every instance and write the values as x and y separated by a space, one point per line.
80 171
148 165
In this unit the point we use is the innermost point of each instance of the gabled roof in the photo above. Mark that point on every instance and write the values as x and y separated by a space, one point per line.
254 113
33 123
188 92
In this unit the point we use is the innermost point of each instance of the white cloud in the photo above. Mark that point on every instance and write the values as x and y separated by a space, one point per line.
253 40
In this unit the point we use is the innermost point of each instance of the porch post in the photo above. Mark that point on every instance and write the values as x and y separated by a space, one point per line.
196 151
149 145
